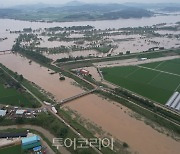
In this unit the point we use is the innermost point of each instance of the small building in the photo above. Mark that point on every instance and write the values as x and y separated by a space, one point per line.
31 146
142 59
36 149
20 112
13 135
30 142
84 72
3 113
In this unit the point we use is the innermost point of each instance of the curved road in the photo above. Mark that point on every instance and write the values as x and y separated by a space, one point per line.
57 116
46 133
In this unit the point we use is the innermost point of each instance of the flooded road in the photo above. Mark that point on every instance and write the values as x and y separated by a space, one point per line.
138 44
133 61
107 115
8 25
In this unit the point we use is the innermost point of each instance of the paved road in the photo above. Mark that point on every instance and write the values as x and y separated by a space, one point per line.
62 149
134 61
113 86
56 115
91 59
92 84
107 90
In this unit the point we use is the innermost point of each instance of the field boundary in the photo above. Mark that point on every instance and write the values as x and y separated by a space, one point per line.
158 70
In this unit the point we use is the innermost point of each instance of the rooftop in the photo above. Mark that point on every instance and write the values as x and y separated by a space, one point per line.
30 140
3 112
20 111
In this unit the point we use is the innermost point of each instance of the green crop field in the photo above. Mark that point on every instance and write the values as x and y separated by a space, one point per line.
12 93
156 81
172 66
11 150
11 96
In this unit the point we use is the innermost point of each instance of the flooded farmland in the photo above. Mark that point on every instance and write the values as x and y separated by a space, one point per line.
84 53
40 76
16 25
103 24
109 116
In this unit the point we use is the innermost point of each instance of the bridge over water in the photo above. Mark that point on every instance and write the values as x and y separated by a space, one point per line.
76 96
5 52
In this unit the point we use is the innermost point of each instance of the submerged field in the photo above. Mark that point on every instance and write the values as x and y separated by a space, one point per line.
156 81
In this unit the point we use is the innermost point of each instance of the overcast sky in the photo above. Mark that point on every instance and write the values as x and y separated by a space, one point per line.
5 3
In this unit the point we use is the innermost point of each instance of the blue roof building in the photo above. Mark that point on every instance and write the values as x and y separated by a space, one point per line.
30 140
37 148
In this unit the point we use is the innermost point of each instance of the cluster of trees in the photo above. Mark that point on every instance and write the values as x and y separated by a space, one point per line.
44 120
27 38
27 30
147 103
76 28
4 78
134 97
103 49
70 59
31 54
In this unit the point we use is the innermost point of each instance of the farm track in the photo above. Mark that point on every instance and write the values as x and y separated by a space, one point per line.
158 70
132 62
45 133
62 149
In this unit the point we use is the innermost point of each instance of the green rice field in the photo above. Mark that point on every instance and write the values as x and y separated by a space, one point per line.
156 81
11 93
11 150
11 96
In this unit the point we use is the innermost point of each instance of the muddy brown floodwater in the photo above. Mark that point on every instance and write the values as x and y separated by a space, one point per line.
41 76
84 53
111 118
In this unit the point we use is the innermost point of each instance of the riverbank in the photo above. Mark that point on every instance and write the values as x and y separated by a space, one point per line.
91 102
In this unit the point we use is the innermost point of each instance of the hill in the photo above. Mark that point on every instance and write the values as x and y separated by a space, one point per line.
74 11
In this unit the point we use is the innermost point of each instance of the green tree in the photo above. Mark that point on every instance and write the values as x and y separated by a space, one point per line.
21 78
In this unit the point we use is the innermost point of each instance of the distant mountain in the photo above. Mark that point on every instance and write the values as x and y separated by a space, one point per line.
86 8
74 3
152 5
74 11
128 13
32 6
171 9
8 12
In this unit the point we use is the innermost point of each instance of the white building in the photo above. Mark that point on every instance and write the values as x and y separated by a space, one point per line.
3 113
